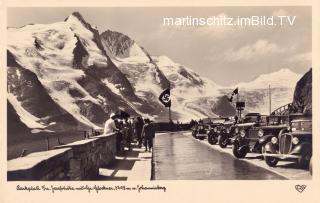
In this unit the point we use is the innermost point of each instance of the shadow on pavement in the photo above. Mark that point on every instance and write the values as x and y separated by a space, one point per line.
123 161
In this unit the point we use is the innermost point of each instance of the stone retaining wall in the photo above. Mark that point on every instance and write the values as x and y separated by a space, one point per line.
79 160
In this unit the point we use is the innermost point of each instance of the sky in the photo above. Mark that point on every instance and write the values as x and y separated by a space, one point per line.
225 54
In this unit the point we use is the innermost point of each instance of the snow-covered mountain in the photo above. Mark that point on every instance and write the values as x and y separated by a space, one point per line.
256 92
66 75
283 78
150 75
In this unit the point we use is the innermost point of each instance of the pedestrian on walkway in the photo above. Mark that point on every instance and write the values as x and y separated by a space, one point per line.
110 125
138 128
128 133
148 133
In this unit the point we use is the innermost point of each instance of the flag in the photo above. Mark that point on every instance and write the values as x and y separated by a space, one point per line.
165 98
235 91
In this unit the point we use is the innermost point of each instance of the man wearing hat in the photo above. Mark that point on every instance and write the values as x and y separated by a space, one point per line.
110 126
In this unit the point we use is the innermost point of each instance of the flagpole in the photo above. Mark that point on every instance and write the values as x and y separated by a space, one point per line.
269 99
170 105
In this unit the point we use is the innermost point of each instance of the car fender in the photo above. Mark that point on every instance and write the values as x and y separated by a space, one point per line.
270 148
263 140
235 139
302 148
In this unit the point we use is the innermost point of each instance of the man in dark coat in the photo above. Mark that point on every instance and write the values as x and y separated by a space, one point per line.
138 129
148 132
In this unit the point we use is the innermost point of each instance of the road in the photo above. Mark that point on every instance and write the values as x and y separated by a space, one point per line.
178 156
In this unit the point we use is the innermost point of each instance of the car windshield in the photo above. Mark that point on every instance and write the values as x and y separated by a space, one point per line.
273 120
249 119
302 126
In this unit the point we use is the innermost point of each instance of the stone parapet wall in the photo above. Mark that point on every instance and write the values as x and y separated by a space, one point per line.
79 160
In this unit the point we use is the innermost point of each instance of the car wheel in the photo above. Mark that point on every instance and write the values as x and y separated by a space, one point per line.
304 160
212 140
271 161
237 152
223 141
263 151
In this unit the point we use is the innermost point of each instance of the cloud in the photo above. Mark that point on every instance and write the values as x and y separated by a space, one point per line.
259 48
301 57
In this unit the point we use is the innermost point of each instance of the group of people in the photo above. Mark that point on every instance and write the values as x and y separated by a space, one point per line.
130 130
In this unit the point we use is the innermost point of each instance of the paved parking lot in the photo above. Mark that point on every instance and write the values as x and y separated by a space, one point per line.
180 156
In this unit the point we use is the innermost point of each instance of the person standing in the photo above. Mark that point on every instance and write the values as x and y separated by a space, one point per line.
148 132
112 126
128 133
138 128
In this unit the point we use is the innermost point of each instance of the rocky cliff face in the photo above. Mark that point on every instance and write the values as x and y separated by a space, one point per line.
66 75
302 99
223 107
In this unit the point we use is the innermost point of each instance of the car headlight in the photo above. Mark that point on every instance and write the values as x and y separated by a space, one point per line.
274 140
295 140
242 133
260 133
236 130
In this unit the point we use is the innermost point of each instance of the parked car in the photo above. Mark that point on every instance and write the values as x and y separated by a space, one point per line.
246 135
200 131
276 125
226 133
215 128
295 145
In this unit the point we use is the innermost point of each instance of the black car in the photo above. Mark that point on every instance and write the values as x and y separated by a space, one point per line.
226 133
276 125
216 126
200 131
246 137
295 145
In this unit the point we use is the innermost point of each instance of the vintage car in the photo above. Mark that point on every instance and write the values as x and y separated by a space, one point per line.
200 131
295 145
276 125
226 133
215 127
246 134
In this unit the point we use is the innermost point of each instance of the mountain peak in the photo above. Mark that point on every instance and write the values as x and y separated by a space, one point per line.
77 16
285 70
275 79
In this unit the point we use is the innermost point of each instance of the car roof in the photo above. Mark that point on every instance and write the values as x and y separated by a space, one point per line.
253 114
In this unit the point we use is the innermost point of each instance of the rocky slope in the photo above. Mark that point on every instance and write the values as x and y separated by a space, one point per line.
67 76
302 99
